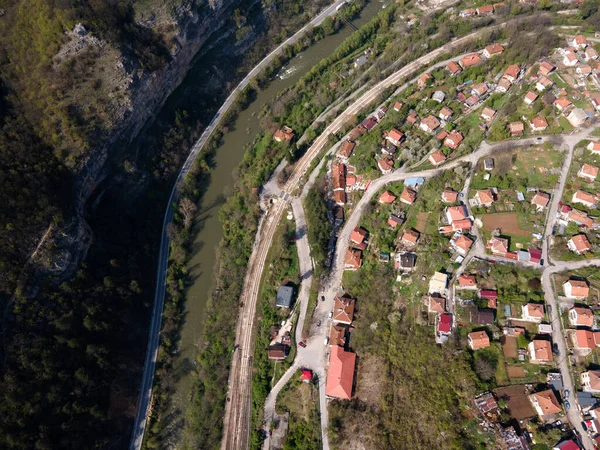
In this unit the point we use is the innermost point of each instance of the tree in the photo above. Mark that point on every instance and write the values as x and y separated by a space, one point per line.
485 368
188 209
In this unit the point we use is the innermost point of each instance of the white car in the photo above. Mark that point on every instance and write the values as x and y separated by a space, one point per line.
330 314
326 341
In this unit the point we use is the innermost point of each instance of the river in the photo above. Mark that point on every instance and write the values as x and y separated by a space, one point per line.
207 226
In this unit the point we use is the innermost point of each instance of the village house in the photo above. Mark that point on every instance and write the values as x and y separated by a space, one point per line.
590 54
343 310
487 114
424 80
438 96
580 218
583 71
285 134
346 150
579 42
436 304
461 244
484 197
467 282
394 221
359 237
442 134
545 404
454 213
576 288
540 351
438 283
546 68
449 195
570 59
530 97
485 10
444 324
385 165
538 124
540 200
397 106
595 99
445 113
533 312
590 381
437 157
543 83
353 259
492 50
581 317
453 140
277 352
337 336
387 197
503 85
584 198
470 60
516 128
429 124
395 137
488 164
479 89
478 340
410 237
405 261
408 196
340 376
498 246
588 172
584 340
491 296
512 73
412 118
562 103
577 117
453 68
594 147
388 150
369 123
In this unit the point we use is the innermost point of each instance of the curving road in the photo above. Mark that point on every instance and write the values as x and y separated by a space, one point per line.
139 425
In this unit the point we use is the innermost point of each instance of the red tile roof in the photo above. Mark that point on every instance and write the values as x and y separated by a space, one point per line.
467 281
340 376
358 235
470 60
387 197
494 49
449 195
479 339
408 196
581 243
437 157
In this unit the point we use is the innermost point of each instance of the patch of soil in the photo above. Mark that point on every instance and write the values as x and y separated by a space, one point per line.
421 222
515 372
509 349
507 222
369 384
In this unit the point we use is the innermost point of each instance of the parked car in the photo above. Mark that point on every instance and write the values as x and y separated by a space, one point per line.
556 424
326 340
330 314
567 405
319 323
302 344
555 349
567 393
541 262
549 309
583 424
322 298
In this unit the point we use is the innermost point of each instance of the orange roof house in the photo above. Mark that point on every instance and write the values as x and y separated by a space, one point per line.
437 158
423 79
470 60
429 124
358 235
516 128
585 339
545 404
485 9
387 197
445 113
488 113
449 195
492 50
498 246
588 172
590 382
581 317
530 97
585 198
454 213
512 73
408 196
538 123
385 165
453 68
462 244
410 237
533 312
540 351
546 68
353 259
337 336
395 136
579 244
478 340
340 376
343 310
285 134
436 304
467 281
346 149
576 288
453 140
484 197
562 103
580 218
540 199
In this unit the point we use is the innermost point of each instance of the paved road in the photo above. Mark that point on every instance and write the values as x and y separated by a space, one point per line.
139 425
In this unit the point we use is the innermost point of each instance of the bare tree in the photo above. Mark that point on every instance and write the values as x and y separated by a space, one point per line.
188 209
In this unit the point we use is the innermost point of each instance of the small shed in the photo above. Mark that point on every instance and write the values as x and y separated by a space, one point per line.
285 296
439 96
488 163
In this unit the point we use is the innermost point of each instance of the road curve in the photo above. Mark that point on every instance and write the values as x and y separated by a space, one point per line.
139 425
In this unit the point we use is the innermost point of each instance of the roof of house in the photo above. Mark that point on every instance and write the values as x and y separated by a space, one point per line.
594 376
339 196
547 402
457 212
494 48
579 288
424 77
485 196
585 197
512 71
387 197
542 350
467 280
385 164
445 112
394 221
585 316
395 134
535 310
485 9
462 224
449 195
463 242
437 157
277 351
580 40
505 83
540 199
531 96
580 217
585 339
546 68
343 309
498 245
411 236
562 102
516 127
539 122
340 376
284 134
581 243
479 339
453 67
567 445
285 296
595 145
408 195
306 375
445 323
398 105
488 294
484 316
337 335
338 175
588 169
470 60
488 112
480 88
358 235
437 304
454 139
353 258
405 260
431 122
346 149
